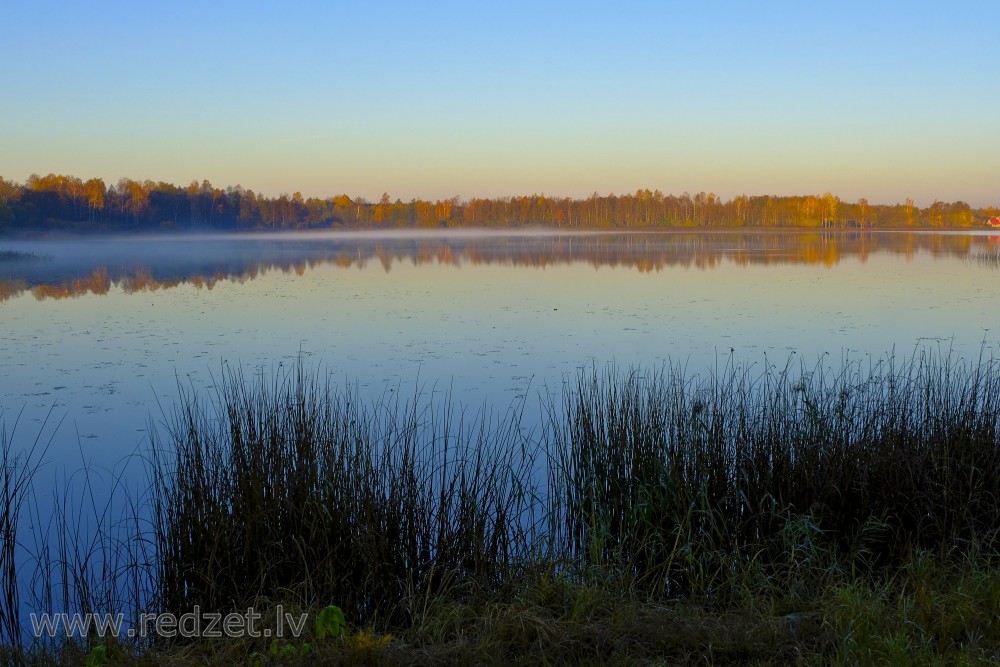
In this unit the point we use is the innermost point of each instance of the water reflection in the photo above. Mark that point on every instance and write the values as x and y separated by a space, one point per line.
64 269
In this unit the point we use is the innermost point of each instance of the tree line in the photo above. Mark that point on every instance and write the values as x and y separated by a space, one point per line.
66 202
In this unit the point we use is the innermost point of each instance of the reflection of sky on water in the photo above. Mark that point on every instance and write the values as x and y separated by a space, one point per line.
485 329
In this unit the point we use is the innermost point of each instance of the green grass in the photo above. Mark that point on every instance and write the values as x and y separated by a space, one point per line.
931 612
758 515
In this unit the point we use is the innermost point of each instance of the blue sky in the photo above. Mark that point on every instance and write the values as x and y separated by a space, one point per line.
879 100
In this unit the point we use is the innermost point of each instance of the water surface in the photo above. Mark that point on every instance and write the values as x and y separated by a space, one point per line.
98 333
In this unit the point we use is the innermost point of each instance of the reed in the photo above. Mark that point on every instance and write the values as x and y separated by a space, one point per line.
771 488
677 478
18 467
989 257
669 478
292 487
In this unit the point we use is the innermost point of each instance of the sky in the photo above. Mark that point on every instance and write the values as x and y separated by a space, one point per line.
883 100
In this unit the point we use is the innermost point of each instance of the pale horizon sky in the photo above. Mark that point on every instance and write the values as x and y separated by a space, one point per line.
883 100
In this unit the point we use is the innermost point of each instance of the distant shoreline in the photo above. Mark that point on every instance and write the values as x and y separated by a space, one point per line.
443 232
63 202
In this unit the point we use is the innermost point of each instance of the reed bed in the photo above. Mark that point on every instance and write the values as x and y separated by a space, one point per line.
290 486
752 483
989 257
678 479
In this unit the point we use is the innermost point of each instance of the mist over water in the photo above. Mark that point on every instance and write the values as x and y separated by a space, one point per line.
99 334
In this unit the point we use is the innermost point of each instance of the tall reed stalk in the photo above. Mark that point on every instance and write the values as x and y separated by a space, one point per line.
17 469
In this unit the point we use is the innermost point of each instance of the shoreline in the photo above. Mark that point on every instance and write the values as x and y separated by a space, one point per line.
479 231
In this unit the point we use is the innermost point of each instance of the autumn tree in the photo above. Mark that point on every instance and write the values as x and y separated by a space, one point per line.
167 204
425 214
8 190
73 187
831 209
247 211
94 192
862 208
958 214
132 197
381 213
935 214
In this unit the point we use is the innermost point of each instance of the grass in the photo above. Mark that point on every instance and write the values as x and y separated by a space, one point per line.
867 464
341 501
759 515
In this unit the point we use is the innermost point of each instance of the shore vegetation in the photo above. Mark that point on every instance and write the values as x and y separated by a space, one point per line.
65 203
755 515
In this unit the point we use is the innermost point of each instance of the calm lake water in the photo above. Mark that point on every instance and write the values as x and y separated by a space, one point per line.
96 334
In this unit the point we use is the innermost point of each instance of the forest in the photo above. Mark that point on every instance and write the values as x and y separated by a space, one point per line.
58 202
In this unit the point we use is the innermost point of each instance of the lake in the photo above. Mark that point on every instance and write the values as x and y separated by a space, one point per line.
98 334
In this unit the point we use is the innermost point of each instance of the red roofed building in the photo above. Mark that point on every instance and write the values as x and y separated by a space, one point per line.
993 222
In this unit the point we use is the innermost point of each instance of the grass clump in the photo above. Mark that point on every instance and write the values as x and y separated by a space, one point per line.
336 500
681 481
